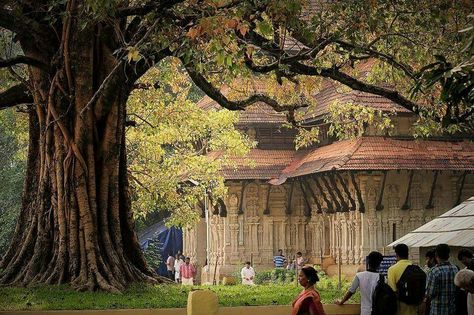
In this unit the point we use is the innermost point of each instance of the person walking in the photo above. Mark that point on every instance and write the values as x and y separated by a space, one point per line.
366 281
247 273
187 272
279 259
309 300
394 275
170 266
440 288
465 280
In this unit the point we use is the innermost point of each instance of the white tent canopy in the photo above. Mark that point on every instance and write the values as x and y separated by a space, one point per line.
455 228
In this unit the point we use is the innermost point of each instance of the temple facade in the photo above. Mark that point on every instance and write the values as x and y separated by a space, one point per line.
336 201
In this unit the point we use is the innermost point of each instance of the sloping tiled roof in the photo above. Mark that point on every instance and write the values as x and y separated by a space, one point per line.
379 153
260 164
331 92
365 153
455 228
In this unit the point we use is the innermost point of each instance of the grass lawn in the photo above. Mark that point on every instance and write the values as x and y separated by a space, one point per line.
147 296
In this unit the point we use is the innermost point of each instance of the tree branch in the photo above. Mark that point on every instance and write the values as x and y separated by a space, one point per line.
16 95
4 63
379 55
355 84
147 8
220 98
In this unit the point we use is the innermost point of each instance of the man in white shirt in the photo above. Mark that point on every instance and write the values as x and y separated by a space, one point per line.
465 280
247 274
178 261
366 281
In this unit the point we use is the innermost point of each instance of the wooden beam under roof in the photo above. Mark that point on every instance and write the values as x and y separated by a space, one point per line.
346 191
379 206
358 193
406 204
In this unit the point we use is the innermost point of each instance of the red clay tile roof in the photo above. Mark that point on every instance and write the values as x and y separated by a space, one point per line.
260 164
378 153
366 153
331 92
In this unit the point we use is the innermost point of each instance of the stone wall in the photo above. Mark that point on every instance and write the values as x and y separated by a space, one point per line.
255 229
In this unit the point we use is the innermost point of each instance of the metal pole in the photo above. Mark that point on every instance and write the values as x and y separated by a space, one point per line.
296 271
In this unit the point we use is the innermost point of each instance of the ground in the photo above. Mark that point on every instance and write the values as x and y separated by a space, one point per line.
63 297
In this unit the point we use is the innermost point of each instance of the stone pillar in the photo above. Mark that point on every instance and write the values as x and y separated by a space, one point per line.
233 228
268 239
357 238
365 233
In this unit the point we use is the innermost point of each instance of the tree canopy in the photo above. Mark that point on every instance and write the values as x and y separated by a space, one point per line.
219 40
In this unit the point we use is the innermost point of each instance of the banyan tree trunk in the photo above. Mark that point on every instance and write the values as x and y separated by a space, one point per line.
76 224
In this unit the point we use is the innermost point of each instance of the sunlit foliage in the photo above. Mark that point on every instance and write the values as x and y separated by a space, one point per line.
169 165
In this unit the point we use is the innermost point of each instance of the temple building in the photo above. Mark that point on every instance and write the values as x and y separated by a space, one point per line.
335 201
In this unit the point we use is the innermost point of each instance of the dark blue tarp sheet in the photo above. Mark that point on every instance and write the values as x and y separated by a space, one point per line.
169 240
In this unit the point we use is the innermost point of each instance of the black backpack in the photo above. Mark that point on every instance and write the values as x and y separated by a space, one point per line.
384 300
411 286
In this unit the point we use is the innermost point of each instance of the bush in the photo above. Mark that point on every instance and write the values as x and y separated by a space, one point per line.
272 276
229 280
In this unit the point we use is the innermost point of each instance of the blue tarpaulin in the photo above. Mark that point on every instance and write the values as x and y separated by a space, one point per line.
169 240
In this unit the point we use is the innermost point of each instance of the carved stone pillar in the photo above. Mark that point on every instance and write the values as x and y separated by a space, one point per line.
285 237
267 239
253 223
241 228
357 238
365 234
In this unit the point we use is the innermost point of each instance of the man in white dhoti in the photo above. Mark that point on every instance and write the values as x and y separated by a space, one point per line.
247 274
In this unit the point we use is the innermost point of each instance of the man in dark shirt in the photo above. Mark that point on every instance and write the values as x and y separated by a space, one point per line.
465 256
440 288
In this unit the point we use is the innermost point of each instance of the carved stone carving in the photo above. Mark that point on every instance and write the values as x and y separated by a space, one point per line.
251 200
277 204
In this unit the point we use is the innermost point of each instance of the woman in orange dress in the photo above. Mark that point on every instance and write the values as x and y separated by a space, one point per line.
309 301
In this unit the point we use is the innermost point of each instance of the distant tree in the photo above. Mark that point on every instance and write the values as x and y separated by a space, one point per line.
84 57
13 135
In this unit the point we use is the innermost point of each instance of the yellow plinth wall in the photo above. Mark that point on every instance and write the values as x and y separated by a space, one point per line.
353 309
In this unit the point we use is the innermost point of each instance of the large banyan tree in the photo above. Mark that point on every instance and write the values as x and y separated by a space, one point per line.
72 65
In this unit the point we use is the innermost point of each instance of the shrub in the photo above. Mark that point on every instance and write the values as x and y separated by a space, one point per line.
229 280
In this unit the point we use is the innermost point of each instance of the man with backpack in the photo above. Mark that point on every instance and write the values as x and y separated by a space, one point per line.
374 298
407 281
440 288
